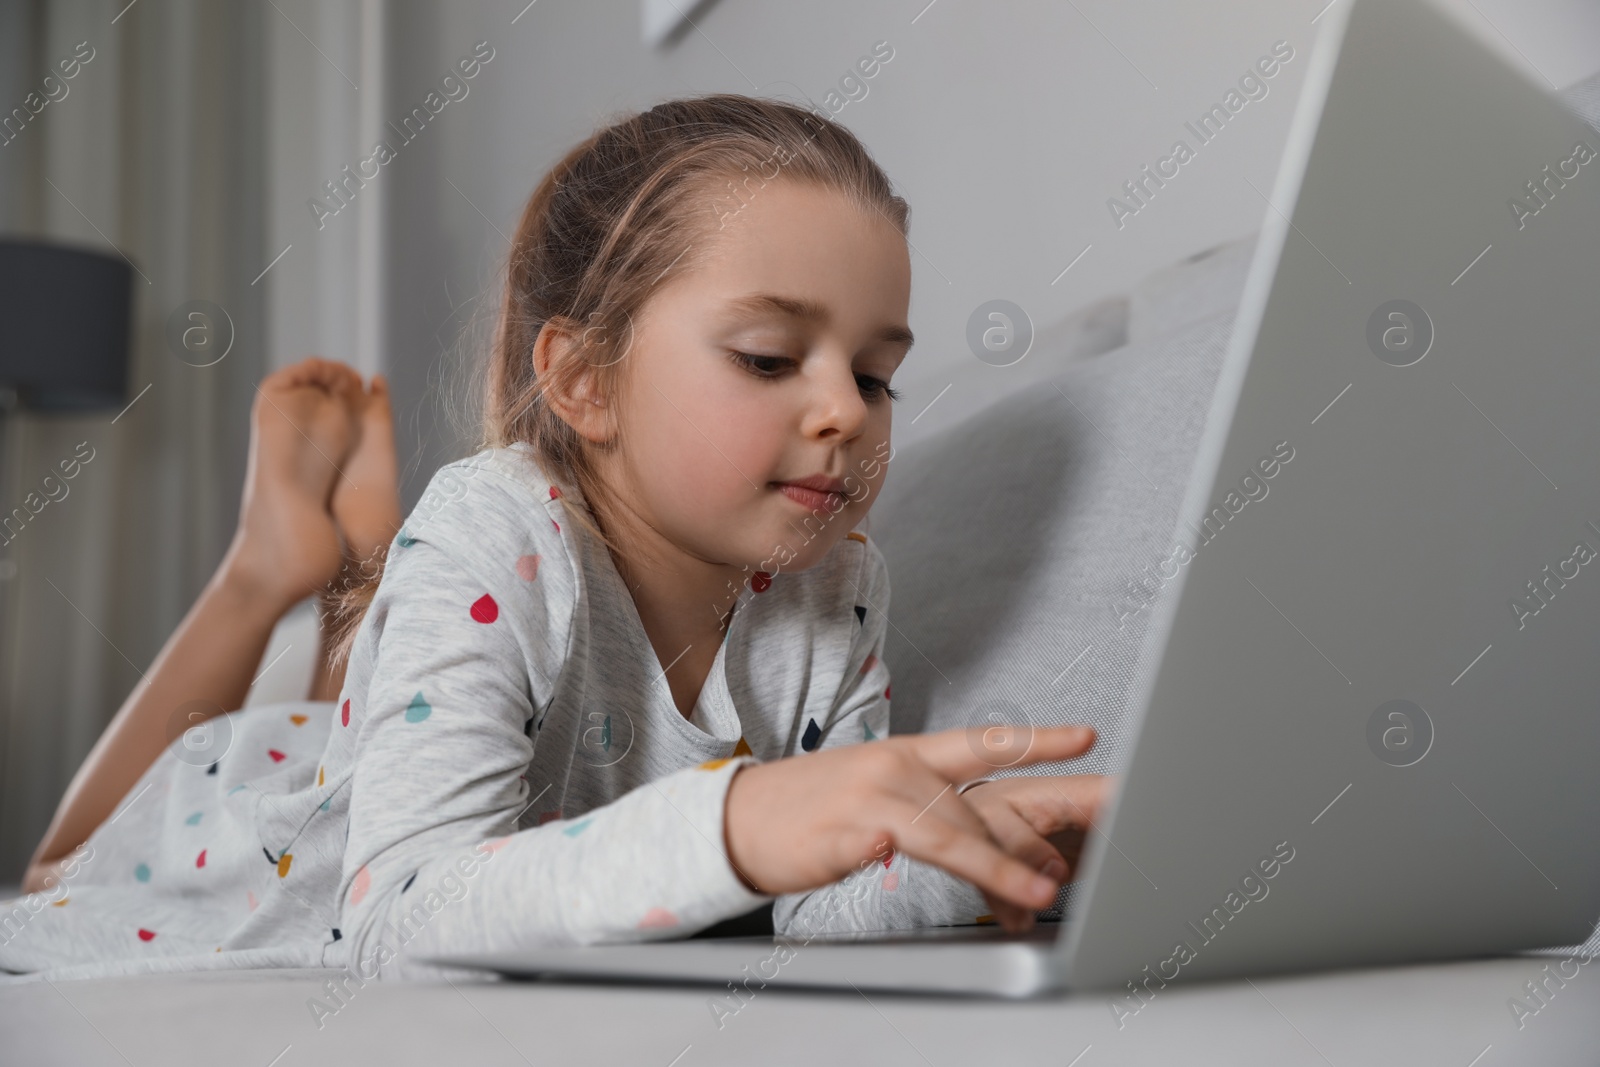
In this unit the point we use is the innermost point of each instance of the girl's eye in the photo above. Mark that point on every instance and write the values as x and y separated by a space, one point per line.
770 367
762 366
872 388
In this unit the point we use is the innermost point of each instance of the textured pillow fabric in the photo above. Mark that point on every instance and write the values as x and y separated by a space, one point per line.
1023 543
1016 542
1177 296
972 385
1583 99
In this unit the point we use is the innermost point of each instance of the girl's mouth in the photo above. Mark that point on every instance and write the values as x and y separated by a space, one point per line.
812 499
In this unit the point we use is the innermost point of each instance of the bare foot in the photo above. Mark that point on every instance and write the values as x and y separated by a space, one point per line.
303 429
366 504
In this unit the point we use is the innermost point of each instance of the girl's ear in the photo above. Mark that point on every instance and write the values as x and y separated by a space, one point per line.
568 382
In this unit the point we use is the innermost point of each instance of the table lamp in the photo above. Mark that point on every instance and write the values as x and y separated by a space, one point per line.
64 316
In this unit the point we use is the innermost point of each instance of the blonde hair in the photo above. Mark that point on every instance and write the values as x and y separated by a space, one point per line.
599 236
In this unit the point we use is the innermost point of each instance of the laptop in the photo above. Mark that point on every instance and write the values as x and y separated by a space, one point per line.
1368 716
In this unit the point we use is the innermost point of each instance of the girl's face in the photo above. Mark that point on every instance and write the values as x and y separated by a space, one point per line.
767 364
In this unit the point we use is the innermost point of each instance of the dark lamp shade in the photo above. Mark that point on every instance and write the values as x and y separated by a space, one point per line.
64 318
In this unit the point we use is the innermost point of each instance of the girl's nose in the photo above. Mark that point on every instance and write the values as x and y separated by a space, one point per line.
836 409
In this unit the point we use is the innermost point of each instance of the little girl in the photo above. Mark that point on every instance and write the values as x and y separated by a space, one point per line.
622 676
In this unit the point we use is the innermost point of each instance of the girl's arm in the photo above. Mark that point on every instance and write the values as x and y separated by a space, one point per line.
441 738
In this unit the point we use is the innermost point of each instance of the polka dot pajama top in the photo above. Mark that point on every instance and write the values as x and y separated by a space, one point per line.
505 767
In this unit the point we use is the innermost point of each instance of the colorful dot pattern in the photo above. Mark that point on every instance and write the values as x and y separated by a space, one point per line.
485 610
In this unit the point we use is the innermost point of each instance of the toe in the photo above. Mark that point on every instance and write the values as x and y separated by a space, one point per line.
378 406
331 375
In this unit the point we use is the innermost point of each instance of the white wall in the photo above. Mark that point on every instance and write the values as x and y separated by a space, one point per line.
1007 124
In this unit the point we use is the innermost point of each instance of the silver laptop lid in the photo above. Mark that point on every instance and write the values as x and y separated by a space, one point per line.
1370 729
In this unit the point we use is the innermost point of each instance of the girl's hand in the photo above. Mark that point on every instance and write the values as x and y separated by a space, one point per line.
1041 820
808 821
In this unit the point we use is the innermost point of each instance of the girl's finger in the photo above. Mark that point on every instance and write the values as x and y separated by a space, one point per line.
1056 802
1012 918
926 801
999 824
958 755
1019 840
1025 843
972 856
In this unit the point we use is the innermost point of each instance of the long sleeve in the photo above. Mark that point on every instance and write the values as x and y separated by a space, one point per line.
444 735
894 892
